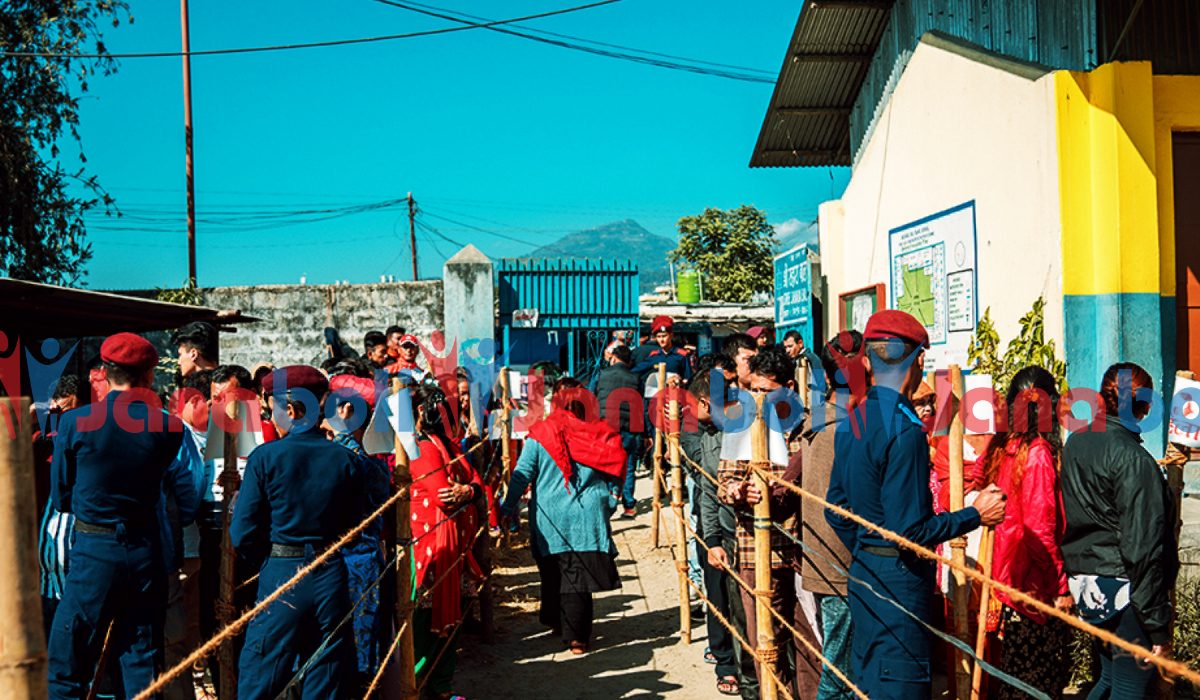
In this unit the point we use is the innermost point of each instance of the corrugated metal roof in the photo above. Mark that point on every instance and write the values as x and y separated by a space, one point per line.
808 120
35 310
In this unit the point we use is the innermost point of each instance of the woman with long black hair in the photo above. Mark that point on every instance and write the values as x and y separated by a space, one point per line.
1120 547
1022 460
444 526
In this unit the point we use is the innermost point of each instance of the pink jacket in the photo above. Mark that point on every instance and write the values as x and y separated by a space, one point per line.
1027 554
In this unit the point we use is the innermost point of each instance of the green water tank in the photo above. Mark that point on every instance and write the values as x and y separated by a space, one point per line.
688 290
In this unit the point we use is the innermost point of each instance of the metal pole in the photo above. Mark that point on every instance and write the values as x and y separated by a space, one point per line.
231 481
187 139
765 644
22 646
412 232
658 460
681 538
402 479
959 588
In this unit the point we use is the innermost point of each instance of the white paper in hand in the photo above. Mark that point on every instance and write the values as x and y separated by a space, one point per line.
247 438
737 446
392 416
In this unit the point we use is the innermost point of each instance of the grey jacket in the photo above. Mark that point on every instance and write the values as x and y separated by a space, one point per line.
716 519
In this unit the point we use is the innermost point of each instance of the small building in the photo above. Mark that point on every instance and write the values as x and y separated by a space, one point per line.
1002 151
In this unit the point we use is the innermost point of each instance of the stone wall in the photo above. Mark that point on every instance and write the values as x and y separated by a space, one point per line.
294 317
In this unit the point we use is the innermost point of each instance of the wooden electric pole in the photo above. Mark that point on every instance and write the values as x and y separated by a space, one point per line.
187 137
412 230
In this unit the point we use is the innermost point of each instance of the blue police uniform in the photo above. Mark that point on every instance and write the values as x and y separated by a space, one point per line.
881 472
678 360
109 473
299 494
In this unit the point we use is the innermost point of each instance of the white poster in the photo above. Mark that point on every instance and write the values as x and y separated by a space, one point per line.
1184 428
934 277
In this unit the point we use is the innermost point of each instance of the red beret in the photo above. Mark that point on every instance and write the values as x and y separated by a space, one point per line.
661 323
297 377
129 350
893 323
755 331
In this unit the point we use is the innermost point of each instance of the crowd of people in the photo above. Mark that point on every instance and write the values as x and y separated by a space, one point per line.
136 528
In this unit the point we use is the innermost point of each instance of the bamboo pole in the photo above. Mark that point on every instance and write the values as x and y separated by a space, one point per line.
802 388
101 663
986 545
231 481
681 538
22 644
505 428
765 644
402 479
658 462
959 589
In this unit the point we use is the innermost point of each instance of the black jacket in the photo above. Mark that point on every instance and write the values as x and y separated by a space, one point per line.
1121 519
616 377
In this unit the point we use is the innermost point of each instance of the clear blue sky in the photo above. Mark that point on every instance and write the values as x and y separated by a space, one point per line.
513 136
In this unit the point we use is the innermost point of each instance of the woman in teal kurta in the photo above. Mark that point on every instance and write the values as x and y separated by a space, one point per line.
573 467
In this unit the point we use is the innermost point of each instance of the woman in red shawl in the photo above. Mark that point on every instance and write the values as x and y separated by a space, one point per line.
1027 553
444 526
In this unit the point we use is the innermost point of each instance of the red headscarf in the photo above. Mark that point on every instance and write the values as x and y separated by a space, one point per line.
570 439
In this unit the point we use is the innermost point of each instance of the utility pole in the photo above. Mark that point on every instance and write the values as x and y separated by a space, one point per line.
187 136
412 229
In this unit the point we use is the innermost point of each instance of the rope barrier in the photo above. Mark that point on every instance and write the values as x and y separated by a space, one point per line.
954 641
948 638
387 658
1170 666
237 625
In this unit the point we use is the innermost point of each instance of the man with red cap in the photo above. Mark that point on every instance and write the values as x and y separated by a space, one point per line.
111 461
881 472
406 363
299 494
679 360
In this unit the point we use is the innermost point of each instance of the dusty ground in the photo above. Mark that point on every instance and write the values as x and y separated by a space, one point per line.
636 652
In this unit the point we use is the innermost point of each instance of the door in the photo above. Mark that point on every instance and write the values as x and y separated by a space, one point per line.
1186 155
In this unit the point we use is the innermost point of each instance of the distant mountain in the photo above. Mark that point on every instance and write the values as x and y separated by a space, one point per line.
621 239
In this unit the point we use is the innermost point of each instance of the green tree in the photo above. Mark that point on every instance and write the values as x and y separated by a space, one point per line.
732 249
42 233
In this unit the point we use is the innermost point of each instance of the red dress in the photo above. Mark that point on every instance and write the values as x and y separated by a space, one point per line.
1027 554
442 552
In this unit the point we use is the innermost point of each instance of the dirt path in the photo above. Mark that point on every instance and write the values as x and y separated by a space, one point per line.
636 651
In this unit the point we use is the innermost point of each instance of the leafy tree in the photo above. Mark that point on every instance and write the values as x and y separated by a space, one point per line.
42 234
732 249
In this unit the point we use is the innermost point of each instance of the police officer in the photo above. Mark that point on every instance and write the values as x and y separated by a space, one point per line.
679 360
109 464
299 494
881 472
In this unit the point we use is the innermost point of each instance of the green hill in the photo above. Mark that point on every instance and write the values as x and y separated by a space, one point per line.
621 239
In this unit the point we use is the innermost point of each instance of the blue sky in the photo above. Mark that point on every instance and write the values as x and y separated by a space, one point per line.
508 135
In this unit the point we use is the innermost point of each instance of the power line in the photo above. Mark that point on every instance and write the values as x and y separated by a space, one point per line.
480 229
569 37
309 45
608 53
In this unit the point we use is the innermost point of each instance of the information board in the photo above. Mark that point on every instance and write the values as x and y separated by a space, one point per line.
933 277
793 293
1184 428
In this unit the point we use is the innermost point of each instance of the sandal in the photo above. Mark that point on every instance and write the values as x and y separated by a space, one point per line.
709 657
578 648
728 686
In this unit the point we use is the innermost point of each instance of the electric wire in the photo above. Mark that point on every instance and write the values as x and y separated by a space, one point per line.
308 45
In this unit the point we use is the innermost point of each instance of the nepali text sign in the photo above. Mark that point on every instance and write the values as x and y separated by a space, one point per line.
1184 428
793 293
933 269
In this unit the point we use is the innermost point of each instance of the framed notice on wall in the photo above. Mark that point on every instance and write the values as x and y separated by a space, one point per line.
934 267
855 307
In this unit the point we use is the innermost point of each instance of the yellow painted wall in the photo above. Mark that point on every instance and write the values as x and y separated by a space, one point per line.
1106 130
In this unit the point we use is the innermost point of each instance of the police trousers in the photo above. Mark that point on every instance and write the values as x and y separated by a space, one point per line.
286 638
891 650
113 577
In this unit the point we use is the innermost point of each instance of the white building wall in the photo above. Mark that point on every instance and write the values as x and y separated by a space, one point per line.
957 130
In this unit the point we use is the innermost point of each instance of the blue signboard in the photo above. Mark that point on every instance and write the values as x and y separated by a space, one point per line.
793 294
